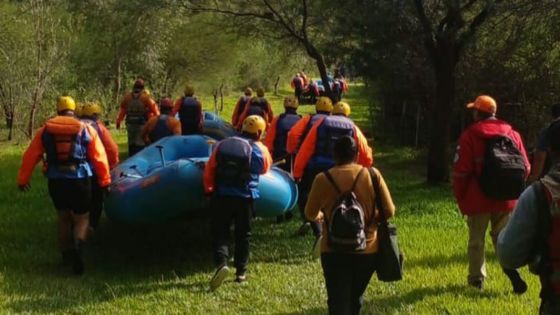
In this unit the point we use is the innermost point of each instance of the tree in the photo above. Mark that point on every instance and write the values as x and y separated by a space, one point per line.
283 20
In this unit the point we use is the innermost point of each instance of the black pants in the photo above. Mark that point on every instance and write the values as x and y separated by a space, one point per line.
71 194
96 203
133 149
347 277
225 211
304 186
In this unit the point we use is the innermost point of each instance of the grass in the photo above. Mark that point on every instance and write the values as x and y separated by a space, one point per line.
166 269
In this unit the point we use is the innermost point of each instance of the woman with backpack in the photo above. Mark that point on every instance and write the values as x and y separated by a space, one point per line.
349 243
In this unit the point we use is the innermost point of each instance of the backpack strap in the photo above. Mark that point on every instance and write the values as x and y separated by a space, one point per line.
356 180
377 189
331 180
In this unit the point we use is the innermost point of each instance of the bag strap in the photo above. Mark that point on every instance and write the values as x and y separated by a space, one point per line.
376 189
356 180
331 180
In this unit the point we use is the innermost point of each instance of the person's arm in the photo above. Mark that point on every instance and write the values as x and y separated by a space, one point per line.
539 159
295 134
306 151
386 198
315 200
271 135
262 158
174 125
210 172
98 158
122 111
176 107
111 148
147 129
516 241
151 107
463 167
31 157
365 155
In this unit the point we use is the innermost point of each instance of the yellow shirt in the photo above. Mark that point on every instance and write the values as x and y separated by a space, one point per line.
323 196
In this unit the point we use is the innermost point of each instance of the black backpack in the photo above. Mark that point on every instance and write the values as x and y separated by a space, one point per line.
503 169
347 224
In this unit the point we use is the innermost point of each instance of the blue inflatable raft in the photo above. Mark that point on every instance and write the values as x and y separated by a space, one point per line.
164 182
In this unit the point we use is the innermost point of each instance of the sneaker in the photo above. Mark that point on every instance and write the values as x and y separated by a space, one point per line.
303 229
219 277
519 286
240 278
479 284
316 249
78 263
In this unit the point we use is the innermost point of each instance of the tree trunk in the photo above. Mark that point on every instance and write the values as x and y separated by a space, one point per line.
441 113
276 85
118 83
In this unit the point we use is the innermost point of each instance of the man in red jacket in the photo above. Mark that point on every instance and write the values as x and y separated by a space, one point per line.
476 205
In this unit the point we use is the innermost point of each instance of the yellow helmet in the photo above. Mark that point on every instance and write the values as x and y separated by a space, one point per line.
291 102
260 92
65 103
90 109
189 90
324 104
254 124
341 108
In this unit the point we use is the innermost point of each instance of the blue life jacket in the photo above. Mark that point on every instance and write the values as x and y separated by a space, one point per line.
161 129
285 122
67 154
332 128
239 164
136 112
188 115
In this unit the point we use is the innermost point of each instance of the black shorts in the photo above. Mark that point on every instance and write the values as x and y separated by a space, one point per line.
71 194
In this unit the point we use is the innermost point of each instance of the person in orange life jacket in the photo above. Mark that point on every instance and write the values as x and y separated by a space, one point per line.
532 235
298 86
231 176
257 106
73 152
240 106
163 125
315 155
189 109
347 272
277 136
323 108
137 107
479 208
89 114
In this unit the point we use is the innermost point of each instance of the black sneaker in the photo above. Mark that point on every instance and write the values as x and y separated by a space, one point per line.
519 286
478 284
78 263
219 277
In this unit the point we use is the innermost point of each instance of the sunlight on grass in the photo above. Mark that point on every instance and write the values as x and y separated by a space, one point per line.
166 269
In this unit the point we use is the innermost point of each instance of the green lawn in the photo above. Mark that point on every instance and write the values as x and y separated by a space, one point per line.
166 269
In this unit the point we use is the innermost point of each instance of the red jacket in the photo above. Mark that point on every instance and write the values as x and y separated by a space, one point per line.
468 166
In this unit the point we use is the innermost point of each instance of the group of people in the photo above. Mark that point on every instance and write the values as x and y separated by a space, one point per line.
328 155
490 174
147 123
306 89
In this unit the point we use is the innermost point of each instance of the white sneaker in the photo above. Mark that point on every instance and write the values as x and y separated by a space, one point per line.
219 277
